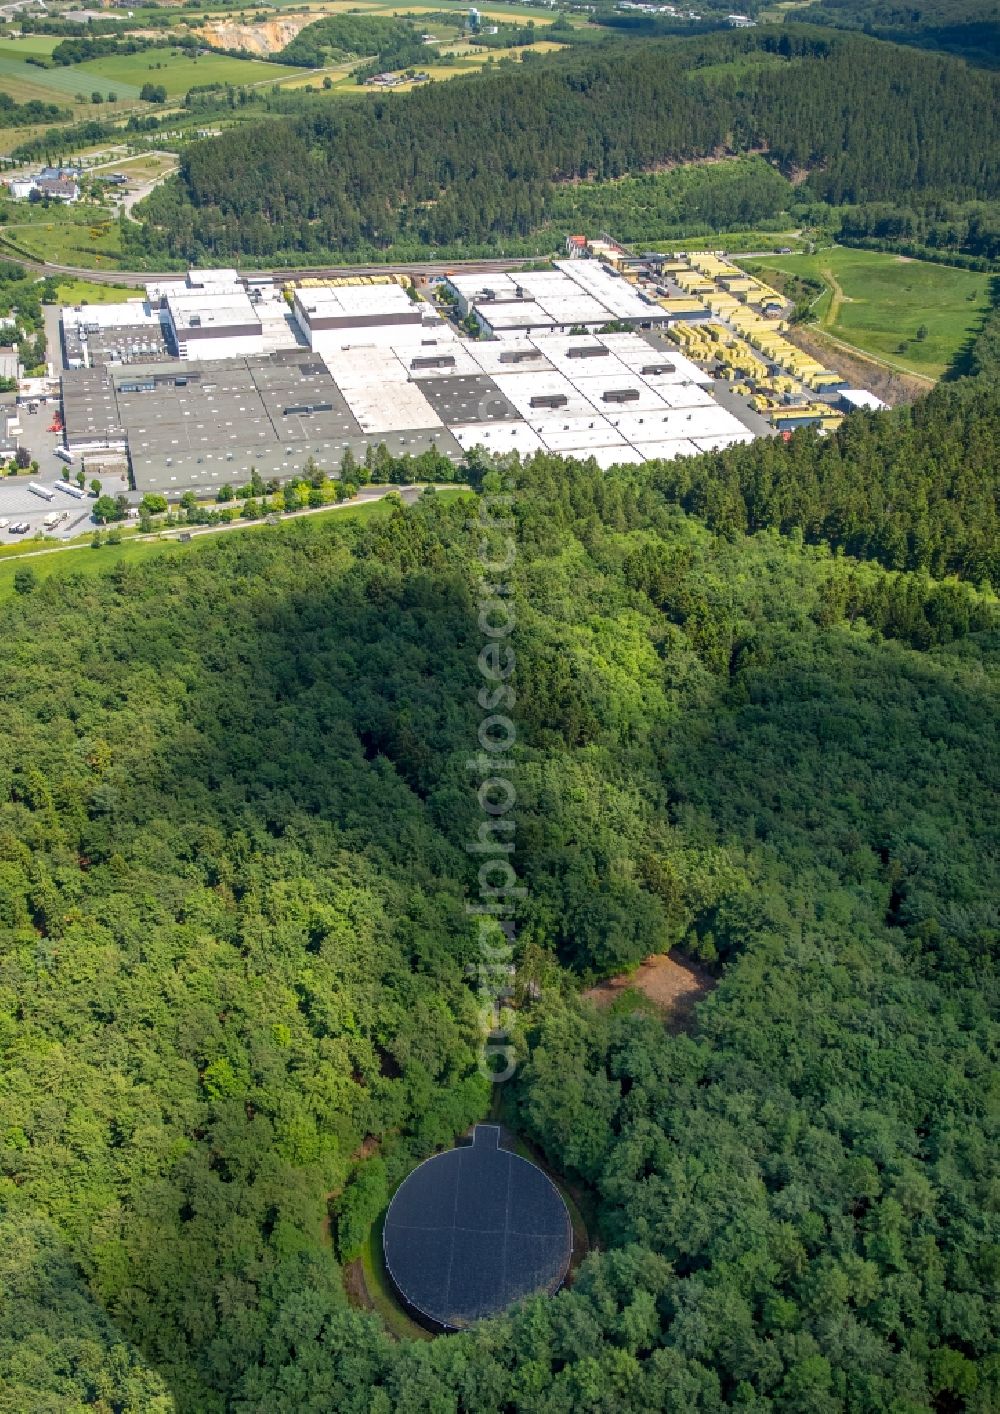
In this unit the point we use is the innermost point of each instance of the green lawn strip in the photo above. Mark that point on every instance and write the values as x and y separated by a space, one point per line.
732 242
93 292
62 234
379 1287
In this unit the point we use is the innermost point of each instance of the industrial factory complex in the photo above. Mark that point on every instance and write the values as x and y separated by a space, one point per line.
213 376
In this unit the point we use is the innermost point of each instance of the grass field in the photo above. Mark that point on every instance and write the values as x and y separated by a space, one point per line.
66 235
379 1288
517 13
146 167
878 302
122 74
177 72
93 292
730 241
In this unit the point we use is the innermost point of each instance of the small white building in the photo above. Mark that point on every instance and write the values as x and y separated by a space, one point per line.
855 399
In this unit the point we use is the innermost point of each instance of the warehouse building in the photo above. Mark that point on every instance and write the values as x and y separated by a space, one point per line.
223 324
95 334
90 412
196 425
577 294
208 315
343 316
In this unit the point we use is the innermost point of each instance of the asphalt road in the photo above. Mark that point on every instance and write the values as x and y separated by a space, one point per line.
18 503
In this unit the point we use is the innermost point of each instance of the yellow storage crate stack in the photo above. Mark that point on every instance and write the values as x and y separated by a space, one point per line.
336 282
711 265
681 304
695 341
694 284
725 306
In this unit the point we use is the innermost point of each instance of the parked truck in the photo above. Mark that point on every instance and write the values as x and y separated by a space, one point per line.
42 491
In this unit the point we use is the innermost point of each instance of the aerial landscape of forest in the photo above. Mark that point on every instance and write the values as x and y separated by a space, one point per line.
633 802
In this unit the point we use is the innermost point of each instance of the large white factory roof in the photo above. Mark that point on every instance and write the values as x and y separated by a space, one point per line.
129 313
344 301
212 279
217 309
638 354
613 291
861 398
619 398
575 292
203 282
573 395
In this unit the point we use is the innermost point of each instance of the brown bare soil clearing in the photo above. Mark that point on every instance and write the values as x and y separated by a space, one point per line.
673 987
886 383
265 38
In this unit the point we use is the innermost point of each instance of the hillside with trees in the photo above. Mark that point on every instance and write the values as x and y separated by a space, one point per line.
967 27
234 1004
393 43
478 161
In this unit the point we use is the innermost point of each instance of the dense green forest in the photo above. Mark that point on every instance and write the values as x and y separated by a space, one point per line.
969 230
234 811
475 161
739 194
967 27
395 43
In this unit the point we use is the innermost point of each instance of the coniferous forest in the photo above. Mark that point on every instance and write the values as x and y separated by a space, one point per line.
756 707
479 160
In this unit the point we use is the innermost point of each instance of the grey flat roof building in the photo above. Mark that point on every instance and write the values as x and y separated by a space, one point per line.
199 426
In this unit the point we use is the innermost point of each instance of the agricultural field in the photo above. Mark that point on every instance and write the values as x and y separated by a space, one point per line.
177 71
24 81
121 74
911 314
519 14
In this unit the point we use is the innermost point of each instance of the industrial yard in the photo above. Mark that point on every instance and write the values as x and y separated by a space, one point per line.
214 377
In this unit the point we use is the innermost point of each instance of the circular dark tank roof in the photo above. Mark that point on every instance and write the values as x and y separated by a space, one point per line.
474 1229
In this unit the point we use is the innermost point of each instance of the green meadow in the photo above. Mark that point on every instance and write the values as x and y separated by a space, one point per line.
913 314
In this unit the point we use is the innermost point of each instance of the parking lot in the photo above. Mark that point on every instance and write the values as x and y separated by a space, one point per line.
17 504
40 442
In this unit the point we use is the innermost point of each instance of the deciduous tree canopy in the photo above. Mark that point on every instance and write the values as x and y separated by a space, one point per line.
234 805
